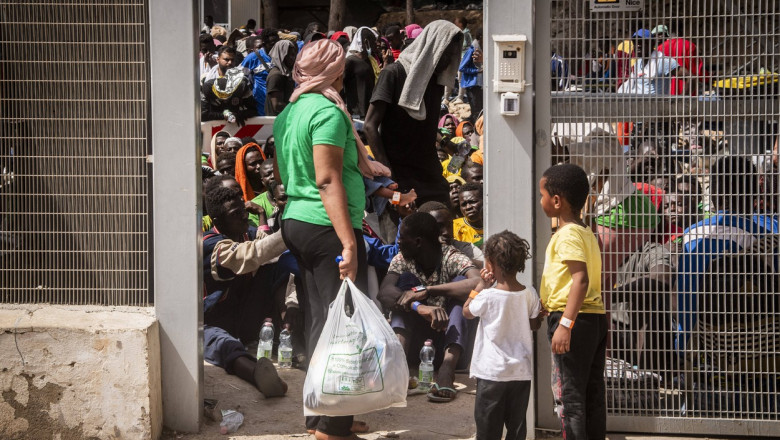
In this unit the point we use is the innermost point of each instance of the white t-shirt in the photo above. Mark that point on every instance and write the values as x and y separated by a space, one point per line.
651 78
503 349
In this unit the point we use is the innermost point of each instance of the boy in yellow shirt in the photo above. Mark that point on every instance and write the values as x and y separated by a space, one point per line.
571 291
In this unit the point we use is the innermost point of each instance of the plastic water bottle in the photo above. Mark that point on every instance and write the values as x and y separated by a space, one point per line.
463 151
426 366
284 354
229 116
231 421
266 345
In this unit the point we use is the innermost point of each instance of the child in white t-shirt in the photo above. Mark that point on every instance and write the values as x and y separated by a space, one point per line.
503 350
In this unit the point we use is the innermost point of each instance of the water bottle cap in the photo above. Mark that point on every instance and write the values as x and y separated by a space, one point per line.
428 342
268 320
268 324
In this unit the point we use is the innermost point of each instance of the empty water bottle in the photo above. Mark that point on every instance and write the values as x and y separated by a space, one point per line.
231 421
463 150
266 345
426 366
229 116
284 354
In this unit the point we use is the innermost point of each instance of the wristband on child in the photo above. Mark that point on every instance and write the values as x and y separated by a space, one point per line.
566 322
415 305
265 228
473 294
396 200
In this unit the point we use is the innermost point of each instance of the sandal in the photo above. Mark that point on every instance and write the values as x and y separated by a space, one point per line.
435 396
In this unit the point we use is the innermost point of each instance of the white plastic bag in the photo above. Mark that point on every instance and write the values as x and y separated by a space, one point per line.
358 365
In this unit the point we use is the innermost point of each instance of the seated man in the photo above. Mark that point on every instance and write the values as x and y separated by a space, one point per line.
443 217
226 91
469 227
425 287
237 289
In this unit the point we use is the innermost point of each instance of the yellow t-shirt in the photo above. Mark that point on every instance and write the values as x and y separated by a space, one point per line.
571 243
463 232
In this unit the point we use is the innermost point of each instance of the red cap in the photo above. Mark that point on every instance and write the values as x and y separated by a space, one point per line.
336 35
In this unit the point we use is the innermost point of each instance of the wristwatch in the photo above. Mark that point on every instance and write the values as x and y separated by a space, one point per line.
566 322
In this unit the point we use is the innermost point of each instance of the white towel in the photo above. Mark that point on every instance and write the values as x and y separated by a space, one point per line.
420 60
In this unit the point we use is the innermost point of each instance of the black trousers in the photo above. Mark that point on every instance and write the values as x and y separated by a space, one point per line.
316 248
583 391
498 404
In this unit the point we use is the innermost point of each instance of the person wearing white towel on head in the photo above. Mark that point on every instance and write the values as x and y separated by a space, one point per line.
406 103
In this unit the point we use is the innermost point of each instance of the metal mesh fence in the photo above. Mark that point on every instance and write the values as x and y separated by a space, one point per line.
74 191
673 111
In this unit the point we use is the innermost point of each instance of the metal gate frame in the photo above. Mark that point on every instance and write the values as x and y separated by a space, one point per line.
548 106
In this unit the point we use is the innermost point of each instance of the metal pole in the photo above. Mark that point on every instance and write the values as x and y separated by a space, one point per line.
175 121
509 141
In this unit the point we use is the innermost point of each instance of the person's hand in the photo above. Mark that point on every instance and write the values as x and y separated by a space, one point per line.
487 276
372 168
561 340
486 279
387 56
254 208
407 198
348 264
437 316
240 120
409 296
406 210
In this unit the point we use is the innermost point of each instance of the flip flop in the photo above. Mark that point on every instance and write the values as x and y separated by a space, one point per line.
267 380
435 389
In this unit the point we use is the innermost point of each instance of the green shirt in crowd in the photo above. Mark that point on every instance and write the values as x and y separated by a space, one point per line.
262 200
313 120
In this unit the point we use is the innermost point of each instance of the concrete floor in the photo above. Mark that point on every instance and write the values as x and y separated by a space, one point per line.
282 418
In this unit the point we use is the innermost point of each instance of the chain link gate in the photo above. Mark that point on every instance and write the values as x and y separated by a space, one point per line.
672 109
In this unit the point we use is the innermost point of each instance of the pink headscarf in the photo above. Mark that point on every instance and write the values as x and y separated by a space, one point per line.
450 116
317 67
413 30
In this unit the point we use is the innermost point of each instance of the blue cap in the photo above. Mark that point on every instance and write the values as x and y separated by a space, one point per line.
642 33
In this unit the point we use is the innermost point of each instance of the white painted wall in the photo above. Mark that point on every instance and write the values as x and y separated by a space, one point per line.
243 10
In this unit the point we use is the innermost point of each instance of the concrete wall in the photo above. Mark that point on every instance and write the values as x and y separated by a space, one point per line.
79 372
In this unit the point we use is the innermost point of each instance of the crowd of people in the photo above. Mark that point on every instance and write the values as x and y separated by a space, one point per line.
367 165
679 207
